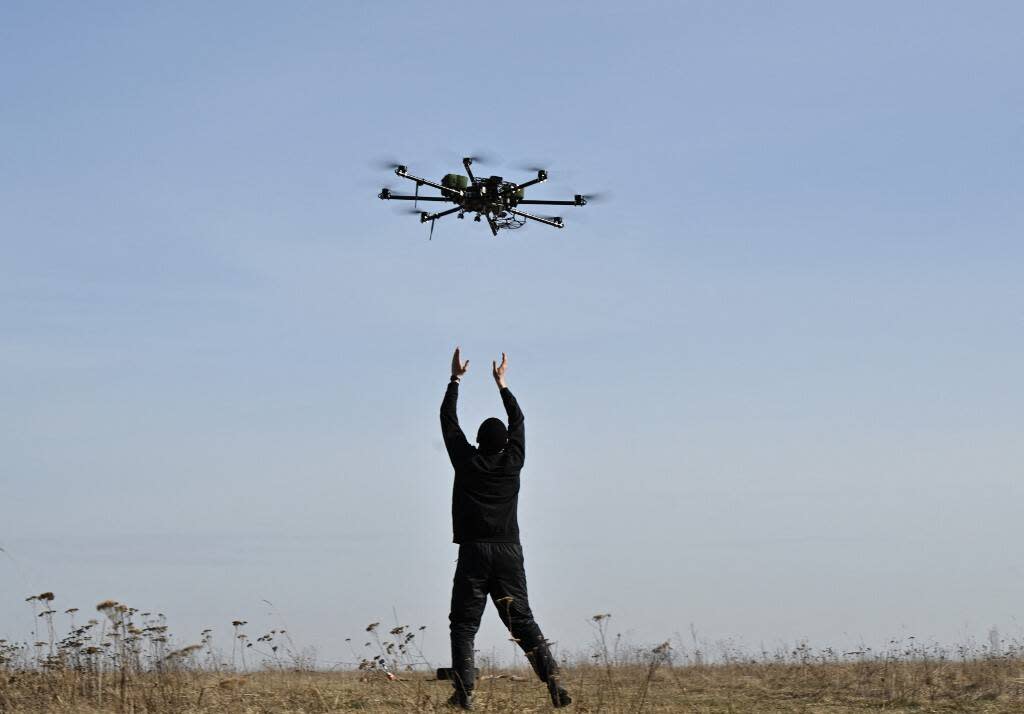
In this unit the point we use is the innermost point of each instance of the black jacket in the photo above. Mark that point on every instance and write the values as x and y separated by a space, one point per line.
485 496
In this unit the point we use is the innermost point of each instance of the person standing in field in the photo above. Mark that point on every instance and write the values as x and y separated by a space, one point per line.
485 498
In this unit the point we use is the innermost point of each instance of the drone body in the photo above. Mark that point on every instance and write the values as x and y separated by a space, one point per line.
492 198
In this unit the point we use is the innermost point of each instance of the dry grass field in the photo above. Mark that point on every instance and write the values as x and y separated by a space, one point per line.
819 688
123 661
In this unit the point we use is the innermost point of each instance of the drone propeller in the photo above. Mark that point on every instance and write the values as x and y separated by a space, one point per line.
597 197
484 158
559 175
533 165
385 163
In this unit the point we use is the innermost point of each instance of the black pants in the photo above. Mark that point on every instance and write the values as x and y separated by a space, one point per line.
494 569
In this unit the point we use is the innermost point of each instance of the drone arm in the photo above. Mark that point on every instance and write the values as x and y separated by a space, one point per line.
580 201
542 176
556 222
424 217
417 179
392 197
466 162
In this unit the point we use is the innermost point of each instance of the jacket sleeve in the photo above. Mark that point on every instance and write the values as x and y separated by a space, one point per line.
516 448
454 439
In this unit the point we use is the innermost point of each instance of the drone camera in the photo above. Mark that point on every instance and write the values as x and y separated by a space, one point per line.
385 193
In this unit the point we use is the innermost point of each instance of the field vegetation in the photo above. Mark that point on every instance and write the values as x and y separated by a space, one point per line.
123 660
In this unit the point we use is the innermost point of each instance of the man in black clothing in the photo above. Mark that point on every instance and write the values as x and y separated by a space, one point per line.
484 502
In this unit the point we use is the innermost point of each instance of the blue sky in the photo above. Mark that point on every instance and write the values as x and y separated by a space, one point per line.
772 387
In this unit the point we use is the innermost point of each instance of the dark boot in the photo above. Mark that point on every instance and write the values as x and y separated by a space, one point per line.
559 697
461 700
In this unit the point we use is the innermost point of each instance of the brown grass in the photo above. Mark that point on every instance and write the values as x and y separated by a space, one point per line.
980 686
127 662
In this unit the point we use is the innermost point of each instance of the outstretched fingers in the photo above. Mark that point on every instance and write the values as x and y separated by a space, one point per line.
498 370
458 366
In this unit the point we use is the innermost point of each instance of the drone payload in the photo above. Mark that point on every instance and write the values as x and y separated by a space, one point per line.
492 198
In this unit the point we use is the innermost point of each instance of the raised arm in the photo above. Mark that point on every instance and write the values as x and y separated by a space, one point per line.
516 448
454 440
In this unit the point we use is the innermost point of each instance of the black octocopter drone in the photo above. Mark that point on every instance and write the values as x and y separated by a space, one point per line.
492 198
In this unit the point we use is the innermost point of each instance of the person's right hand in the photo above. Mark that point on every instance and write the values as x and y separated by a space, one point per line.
458 367
499 371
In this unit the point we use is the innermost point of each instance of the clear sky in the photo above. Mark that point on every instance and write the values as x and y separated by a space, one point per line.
772 388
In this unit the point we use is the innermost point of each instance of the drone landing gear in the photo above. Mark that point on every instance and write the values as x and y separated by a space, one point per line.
424 217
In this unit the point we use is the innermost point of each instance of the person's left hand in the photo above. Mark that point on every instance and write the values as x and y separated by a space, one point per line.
458 366
498 371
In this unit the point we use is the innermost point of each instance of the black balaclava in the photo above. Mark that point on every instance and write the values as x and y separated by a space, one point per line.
492 435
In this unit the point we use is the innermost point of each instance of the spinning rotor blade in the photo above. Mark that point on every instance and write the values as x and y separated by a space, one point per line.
597 197
385 164
483 158
532 168
560 176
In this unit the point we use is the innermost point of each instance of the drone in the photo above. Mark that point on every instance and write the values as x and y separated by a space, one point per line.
492 198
